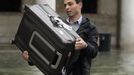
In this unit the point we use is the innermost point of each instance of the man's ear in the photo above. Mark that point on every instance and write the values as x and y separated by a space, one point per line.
80 4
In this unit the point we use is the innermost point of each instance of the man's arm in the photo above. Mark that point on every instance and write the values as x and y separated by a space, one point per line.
92 41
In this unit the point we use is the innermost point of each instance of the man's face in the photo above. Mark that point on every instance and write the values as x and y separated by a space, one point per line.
72 8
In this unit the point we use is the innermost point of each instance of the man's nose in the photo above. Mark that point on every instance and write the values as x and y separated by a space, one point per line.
67 7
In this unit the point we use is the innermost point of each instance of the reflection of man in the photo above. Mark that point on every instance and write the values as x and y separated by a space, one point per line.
87 44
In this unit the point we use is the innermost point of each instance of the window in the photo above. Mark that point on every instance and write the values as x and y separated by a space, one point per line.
89 6
10 5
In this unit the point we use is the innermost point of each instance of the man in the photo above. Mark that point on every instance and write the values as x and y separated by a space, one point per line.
86 45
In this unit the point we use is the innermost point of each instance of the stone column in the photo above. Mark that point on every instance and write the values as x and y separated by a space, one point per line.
52 3
127 23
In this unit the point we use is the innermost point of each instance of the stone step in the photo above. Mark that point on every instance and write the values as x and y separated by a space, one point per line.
7 46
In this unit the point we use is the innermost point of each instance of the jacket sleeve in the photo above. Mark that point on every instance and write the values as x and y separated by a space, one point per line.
30 63
92 49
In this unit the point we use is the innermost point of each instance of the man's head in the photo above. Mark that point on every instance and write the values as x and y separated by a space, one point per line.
73 7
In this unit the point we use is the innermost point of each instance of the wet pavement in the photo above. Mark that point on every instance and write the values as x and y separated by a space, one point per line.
11 63
113 62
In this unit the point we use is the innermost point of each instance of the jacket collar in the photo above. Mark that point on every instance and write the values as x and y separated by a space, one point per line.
79 20
84 20
83 24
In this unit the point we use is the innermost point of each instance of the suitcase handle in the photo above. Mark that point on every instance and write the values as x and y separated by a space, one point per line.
55 22
55 63
59 23
56 60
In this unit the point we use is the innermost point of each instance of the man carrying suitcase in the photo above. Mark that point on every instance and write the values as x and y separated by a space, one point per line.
86 45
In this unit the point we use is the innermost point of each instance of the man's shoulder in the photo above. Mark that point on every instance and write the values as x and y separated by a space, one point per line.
87 22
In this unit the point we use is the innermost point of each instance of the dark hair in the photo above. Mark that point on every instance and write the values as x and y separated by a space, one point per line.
77 1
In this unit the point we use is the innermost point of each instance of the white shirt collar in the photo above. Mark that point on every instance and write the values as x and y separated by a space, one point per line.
79 20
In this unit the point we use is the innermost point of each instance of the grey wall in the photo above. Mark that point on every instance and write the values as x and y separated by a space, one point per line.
9 22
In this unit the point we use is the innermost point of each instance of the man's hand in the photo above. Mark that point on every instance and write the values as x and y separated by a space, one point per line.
25 55
80 44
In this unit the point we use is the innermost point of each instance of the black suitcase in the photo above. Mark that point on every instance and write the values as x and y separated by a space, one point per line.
49 40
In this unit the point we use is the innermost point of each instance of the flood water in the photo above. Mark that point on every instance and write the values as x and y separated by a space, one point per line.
113 62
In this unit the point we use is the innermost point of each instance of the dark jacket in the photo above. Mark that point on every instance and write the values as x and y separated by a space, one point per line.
88 33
